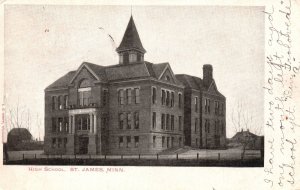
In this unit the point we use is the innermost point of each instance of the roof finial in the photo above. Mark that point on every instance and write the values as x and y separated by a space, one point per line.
131 10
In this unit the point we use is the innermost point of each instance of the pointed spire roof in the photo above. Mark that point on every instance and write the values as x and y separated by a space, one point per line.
131 39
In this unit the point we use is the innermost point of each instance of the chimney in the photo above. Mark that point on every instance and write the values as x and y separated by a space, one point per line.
207 74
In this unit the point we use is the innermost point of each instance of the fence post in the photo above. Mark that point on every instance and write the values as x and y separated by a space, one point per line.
23 156
139 156
219 155
177 156
34 156
157 156
75 156
122 156
60 156
197 156
105 157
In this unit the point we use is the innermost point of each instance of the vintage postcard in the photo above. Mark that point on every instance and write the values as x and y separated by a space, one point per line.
187 94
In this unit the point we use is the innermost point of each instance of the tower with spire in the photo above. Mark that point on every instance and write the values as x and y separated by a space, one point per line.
131 49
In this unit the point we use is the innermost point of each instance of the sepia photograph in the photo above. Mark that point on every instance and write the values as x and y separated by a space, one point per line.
135 85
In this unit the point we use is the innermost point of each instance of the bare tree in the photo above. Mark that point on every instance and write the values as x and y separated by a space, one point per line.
38 123
242 120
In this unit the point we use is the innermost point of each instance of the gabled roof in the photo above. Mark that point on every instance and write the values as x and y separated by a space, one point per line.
63 81
131 39
196 83
190 81
115 73
120 72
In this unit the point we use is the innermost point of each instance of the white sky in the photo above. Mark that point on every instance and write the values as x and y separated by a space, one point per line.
229 38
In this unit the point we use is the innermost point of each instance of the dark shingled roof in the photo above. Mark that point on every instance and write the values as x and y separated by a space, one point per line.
62 81
99 71
129 71
131 39
190 81
116 72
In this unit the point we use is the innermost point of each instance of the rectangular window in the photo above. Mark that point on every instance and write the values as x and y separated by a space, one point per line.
168 142
66 124
216 107
121 58
128 141
128 96
180 123
132 57
172 122
163 97
82 122
120 142
208 106
60 124
65 142
59 142
222 109
137 95
215 127
223 128
65 102
136 120
105 97
121 120
168 122
54 125
168 99
84 95
179 100
136 141
153 95
53 102
172 99
196 124
163 142
172 142
121 97
154 120
128 120
154 141
60 102
196 104
53 142
163 121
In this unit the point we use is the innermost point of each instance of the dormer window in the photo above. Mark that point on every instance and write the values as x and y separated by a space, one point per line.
168 78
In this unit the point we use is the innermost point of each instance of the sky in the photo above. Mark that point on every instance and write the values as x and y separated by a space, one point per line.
42 43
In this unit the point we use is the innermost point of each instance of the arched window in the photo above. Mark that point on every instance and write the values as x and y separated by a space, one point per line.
84 83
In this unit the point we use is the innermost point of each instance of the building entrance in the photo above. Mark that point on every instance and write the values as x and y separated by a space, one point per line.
83 143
